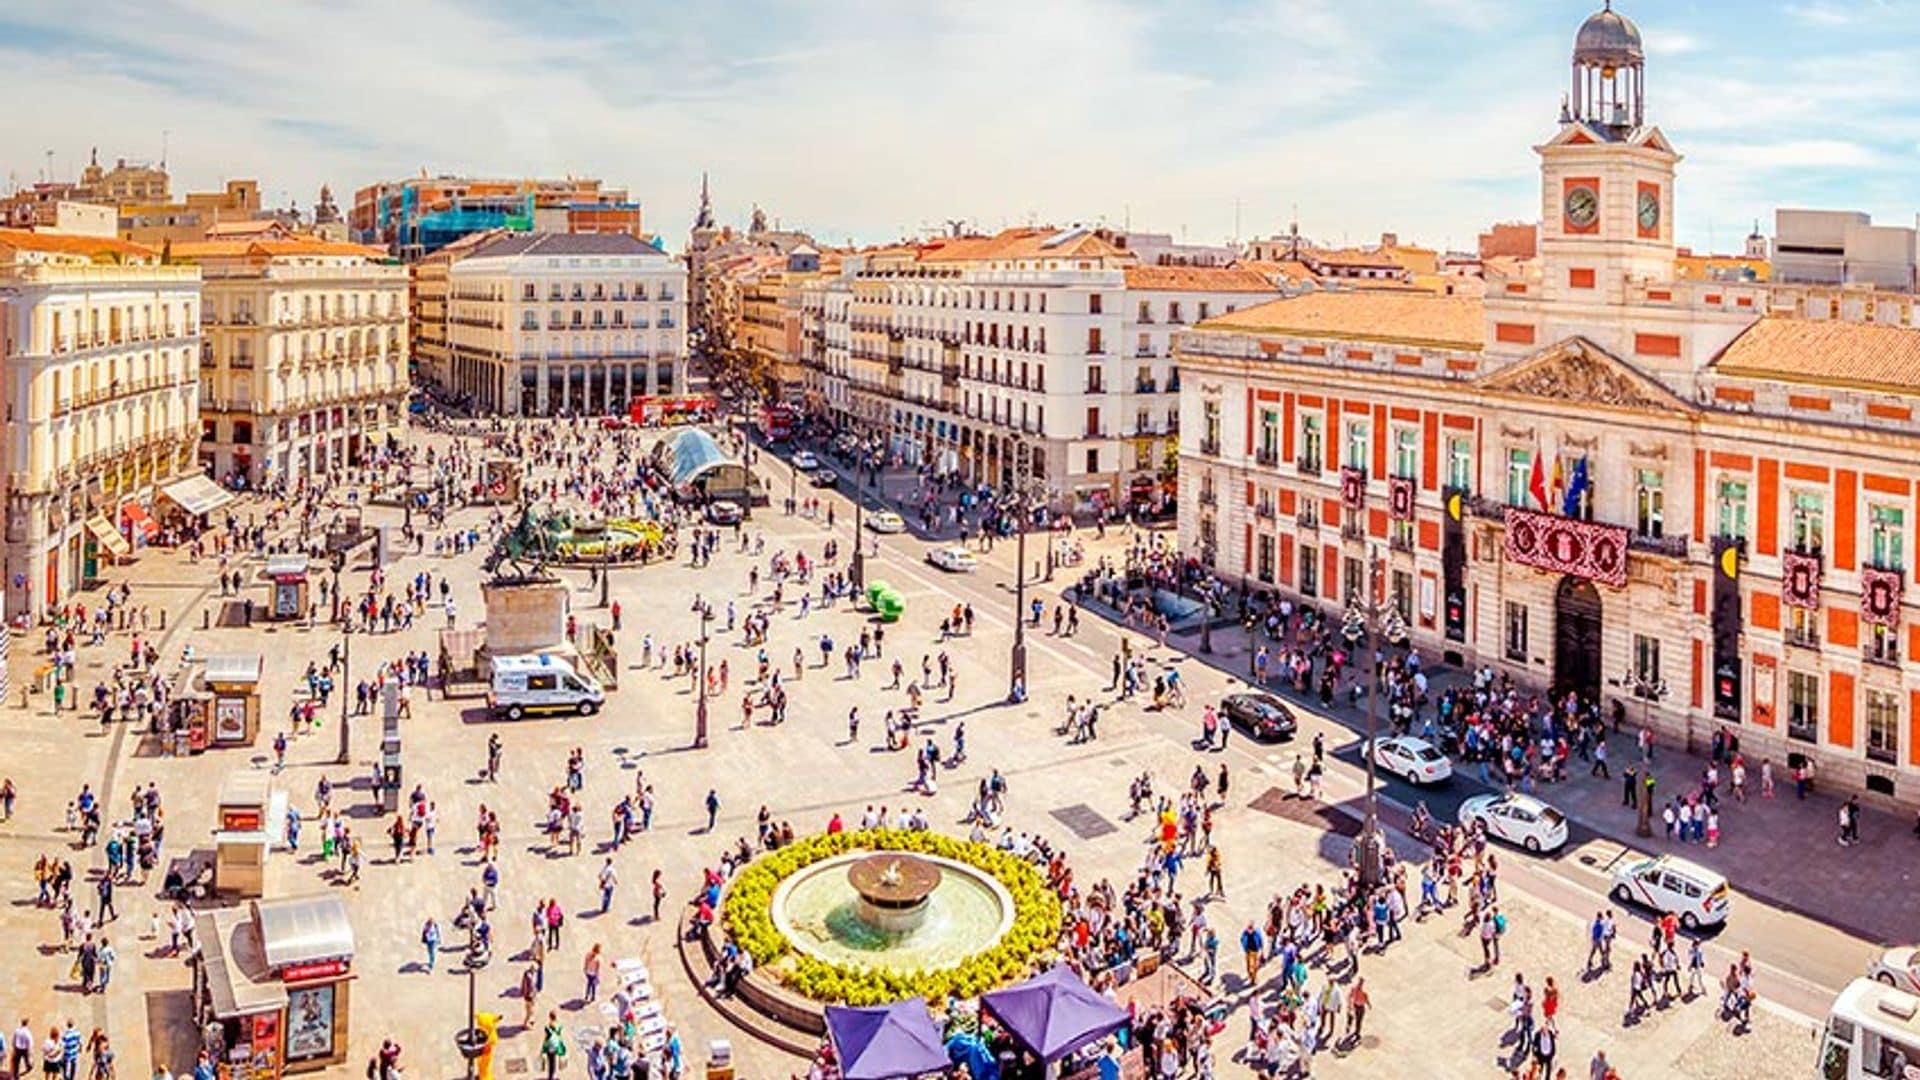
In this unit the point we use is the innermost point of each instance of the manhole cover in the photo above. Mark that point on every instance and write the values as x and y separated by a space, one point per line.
516 1066
1083 821
1304 811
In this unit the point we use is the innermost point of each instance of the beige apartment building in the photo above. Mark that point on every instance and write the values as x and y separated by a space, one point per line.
303 362
102 408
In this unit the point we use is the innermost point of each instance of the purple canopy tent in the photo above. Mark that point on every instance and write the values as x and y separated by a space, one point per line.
884 1042
1054 1013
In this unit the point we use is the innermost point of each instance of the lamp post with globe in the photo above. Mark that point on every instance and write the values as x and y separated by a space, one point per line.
1365 617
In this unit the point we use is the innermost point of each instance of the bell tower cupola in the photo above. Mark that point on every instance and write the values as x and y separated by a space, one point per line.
1609 73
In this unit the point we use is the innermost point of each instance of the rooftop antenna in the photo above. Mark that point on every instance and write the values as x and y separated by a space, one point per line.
163 149
47 176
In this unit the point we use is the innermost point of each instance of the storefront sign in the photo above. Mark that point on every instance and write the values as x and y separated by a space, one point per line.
240 820
1583 549
318 969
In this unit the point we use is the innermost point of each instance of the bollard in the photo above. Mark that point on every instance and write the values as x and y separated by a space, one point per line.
206 618
163 618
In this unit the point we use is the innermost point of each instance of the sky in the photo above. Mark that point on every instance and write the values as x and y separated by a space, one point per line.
869 120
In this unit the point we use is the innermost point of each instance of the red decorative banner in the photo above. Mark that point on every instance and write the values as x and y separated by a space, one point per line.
1564 546
1353 488
1400 497
1880 595
1799 580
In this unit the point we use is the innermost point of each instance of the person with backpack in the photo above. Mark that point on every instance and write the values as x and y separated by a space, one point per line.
430 938
553 1045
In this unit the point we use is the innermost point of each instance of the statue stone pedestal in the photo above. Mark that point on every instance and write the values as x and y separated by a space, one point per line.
526 617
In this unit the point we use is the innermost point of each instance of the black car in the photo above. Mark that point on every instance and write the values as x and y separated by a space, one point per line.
1262 716
823 477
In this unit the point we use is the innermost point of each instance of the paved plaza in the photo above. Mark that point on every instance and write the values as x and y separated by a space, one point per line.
1435 1013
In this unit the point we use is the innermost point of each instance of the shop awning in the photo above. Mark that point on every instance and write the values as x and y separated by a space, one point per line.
108 536
197 495
136 516
304 929
236 668
291 567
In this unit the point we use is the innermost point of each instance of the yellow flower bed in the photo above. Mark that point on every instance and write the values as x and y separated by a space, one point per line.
748 915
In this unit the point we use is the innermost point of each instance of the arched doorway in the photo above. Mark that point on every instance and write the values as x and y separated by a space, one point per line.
1576 638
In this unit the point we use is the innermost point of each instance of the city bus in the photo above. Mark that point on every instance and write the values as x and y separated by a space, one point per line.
776 422
1872 1033
666 410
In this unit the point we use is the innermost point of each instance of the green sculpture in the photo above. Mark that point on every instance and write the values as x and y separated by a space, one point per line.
525 549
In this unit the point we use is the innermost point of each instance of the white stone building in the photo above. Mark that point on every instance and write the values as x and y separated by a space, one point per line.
303 358
549 323
102 406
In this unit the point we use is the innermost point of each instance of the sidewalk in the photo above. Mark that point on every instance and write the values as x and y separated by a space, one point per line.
1782 850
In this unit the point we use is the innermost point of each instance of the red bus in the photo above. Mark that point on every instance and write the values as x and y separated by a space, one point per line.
669 409
776 422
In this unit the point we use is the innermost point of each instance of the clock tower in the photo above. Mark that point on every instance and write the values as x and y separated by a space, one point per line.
1606 175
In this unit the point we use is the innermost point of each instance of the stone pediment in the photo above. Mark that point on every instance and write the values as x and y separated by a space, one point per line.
1577 370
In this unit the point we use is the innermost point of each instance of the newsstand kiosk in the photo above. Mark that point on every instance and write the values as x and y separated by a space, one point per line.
270 986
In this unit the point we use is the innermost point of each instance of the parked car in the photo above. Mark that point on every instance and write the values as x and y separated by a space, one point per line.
1666 883
1261 716
724 512
1517 819
1899 968
1416 760
953 557
805 461
541 684
886 521
823 477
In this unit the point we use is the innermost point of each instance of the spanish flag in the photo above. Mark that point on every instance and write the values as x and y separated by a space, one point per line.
1559 479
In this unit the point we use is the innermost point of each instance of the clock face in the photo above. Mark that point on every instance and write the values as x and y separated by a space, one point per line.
1649 211
1583 206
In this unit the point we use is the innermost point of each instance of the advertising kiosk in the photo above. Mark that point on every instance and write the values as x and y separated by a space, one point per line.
270 986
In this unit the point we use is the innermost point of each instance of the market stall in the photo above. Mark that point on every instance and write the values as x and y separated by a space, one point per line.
270 986
287 577
233 685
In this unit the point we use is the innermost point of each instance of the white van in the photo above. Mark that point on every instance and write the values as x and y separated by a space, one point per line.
1872 1032
541 684
1699 896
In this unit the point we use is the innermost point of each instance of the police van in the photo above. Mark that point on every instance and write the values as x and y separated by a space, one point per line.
541 684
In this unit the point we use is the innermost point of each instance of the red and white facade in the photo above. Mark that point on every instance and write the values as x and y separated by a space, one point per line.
1695 497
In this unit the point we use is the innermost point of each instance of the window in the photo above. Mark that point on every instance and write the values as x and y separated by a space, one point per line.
1516 638
1093 341
1406 453
1733 509
1886 532
1460 463
1803 706
1883 726
1264 563
1646 659
1809 523
1093 303
1093 459
1359 447
1143 455
1309 570
1803 627
1519 476
1205 310
1146 315
1883 643
1350 581
1173 312
1269 436
1310 443
1650 503
1403 595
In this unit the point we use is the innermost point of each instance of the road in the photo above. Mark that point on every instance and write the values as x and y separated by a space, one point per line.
1802 963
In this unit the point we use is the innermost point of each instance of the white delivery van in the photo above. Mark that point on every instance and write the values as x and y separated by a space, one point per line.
541 684
1872 1033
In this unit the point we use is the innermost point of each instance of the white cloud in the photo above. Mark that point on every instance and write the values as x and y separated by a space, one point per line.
865 117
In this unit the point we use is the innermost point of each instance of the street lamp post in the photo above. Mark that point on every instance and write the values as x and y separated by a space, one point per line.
1017 669
346 675
606 567
700 705
857 569
1365 612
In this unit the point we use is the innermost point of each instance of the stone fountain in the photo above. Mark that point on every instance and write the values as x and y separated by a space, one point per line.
893 888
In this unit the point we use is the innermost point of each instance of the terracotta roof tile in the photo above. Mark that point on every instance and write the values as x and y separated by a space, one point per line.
1197 279
1456 322
292 245
1840 354
69 244
1028 242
